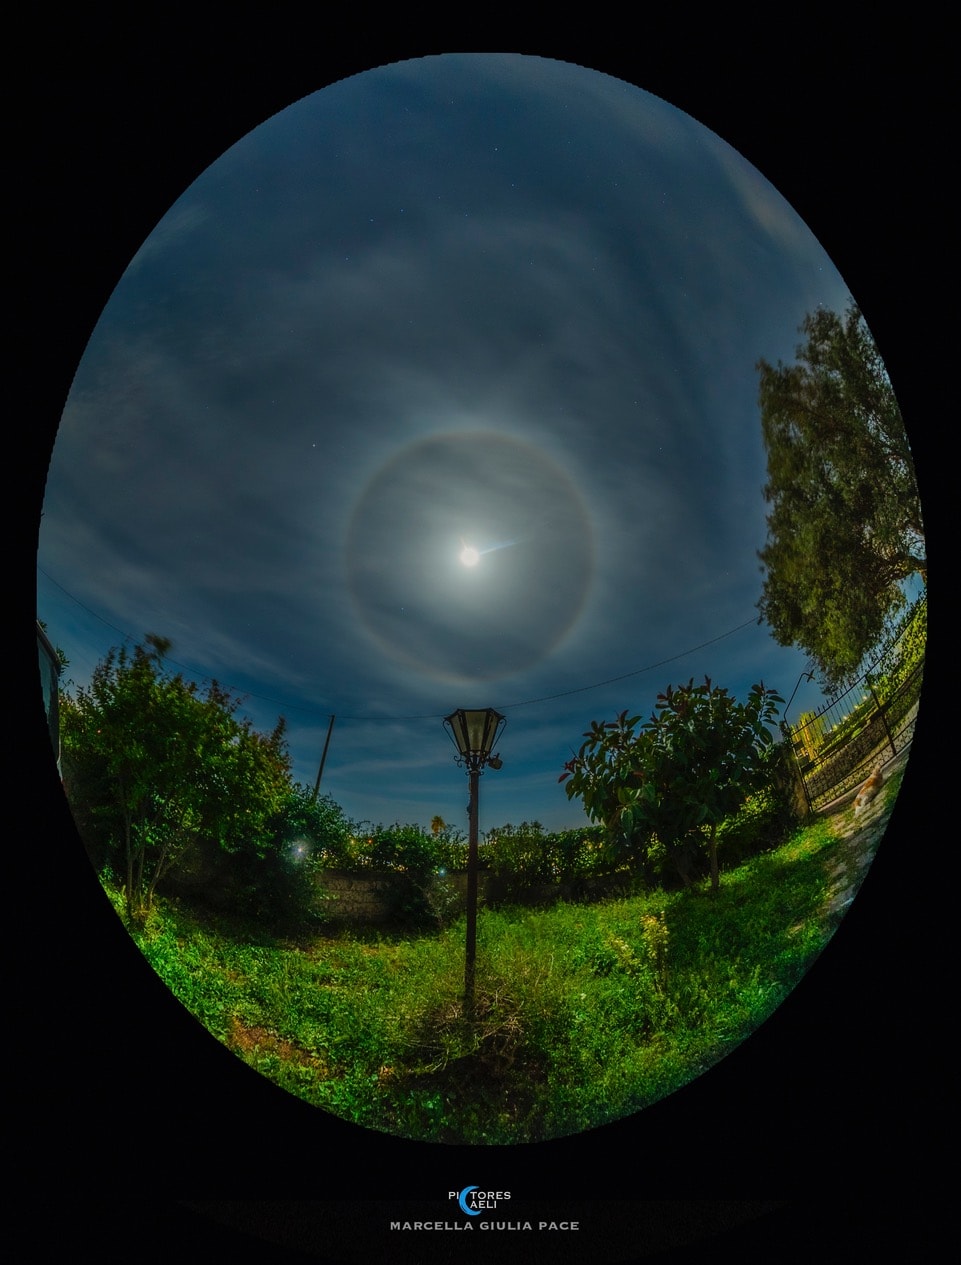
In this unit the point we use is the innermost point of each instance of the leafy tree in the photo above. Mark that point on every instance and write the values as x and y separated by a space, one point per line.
317 824
844 529
275 875
153 765
671 783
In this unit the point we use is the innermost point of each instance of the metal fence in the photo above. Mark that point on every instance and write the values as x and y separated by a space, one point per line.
868 724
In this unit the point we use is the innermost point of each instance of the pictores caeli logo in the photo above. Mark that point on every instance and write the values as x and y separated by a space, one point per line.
474 1201
462 1199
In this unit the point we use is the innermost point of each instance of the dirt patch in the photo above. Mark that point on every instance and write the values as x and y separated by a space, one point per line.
251 1041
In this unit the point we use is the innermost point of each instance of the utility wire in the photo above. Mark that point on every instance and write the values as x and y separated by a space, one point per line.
527 702
581 689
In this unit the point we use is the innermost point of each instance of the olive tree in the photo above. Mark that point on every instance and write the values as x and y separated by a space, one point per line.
844 527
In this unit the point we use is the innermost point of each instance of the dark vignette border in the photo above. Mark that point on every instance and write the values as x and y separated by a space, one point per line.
130 1120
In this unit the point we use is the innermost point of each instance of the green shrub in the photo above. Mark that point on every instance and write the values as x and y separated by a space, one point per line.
422 895
404 849
518 858
276 879
580 854
524 857
762 823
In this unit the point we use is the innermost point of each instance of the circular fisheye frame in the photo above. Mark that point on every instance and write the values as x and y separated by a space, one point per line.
490 391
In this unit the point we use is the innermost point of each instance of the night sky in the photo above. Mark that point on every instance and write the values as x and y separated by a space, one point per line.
495 302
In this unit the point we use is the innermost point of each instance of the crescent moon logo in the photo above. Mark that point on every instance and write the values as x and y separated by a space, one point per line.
462 1198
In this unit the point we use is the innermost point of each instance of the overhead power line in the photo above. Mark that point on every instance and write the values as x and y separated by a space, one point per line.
581 689
527 702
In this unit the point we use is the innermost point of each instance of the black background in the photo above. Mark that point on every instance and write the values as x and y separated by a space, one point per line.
125 1107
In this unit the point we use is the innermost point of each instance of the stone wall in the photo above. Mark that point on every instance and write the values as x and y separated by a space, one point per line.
349 896
370 897
352 897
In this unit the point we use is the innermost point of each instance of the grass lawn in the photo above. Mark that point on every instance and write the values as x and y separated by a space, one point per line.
584 1013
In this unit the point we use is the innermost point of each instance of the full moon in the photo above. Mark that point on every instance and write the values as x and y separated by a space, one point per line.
465 500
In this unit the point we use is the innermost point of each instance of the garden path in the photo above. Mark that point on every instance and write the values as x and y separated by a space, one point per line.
860 838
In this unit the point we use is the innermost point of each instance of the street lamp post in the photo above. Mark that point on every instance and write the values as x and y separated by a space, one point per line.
473 734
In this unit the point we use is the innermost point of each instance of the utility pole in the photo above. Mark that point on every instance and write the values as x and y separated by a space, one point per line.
323 758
